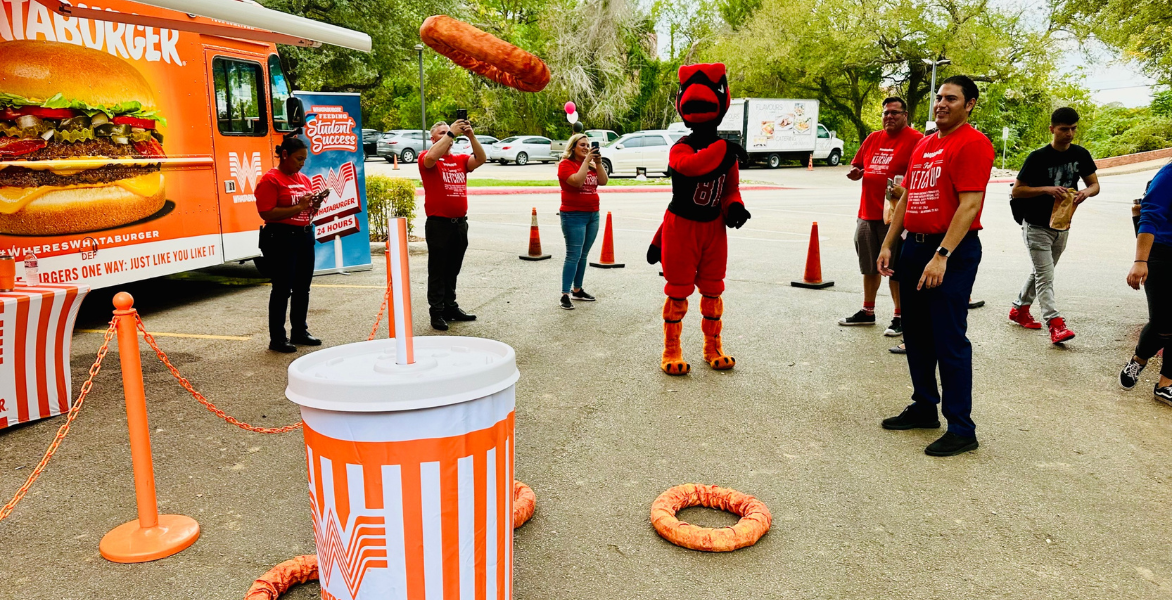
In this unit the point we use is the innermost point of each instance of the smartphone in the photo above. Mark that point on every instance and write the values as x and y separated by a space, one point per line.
594 145
461 114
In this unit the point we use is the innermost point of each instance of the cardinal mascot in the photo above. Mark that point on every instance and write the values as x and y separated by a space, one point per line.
691 243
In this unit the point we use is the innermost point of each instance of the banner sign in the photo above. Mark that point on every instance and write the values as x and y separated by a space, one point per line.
333 128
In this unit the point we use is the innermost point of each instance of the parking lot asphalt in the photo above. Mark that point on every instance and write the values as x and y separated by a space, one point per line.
1067 497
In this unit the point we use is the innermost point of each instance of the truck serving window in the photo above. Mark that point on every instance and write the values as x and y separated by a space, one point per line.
280 90
240 101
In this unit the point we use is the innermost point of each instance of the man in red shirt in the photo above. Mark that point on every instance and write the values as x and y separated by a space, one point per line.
445 200
883 156
940 207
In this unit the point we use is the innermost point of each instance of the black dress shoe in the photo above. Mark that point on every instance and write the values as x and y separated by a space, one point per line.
439 324
305 340
457 314
951 444
282 346
911 419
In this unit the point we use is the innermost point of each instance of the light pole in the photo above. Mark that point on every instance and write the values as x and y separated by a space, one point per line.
932 91
422 101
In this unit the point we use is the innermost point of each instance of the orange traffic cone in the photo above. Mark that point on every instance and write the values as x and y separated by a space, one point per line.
396 167
606 261
810 165
813 277
534 242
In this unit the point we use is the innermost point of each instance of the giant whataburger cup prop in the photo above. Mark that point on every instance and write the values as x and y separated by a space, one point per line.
410 457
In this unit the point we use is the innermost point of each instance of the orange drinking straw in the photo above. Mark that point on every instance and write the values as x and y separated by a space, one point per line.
400 275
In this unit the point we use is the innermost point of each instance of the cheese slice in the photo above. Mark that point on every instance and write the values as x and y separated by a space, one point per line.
13 199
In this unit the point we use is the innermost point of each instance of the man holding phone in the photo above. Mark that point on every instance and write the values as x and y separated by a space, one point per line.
882 157
445 201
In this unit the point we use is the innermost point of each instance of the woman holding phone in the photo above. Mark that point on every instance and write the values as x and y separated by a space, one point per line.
286 201
580 173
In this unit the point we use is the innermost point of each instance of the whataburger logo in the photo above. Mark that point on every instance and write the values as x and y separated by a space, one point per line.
33 21
245 173
330 128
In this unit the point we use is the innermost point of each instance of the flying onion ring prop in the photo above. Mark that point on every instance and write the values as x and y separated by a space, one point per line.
484 54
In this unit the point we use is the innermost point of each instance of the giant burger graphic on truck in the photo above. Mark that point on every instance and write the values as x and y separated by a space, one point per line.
79 140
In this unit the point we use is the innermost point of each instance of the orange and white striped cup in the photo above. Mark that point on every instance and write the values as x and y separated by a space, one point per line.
410 468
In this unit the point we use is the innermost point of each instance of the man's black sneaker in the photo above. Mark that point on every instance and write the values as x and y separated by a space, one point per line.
565 302
455 313
583 296
976 303
305 340
1129 376
282 346
1164 394
911 419
895 329
438 323
951 444
859 318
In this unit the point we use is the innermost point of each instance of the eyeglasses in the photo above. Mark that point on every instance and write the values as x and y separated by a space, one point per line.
893 113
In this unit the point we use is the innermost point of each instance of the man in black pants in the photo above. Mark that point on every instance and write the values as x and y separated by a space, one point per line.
445 200
940 207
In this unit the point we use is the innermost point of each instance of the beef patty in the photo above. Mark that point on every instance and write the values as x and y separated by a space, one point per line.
22 177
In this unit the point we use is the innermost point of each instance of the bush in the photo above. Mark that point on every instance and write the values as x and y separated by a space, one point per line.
396 193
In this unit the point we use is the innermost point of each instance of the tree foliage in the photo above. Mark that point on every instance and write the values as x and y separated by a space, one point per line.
1140 29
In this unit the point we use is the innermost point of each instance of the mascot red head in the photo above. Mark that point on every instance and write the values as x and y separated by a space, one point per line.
704 95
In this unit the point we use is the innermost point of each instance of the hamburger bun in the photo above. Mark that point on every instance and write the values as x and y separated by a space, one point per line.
80 209
40 70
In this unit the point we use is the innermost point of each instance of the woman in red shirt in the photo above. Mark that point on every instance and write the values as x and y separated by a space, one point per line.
580 173
285 200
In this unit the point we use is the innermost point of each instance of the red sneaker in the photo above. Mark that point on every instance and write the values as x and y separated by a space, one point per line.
1058 331
1021 315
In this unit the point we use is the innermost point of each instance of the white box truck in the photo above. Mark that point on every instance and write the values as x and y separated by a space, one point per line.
776 129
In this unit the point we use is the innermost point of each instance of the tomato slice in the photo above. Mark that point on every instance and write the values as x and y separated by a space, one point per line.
10 146
150 149
47 113
134 122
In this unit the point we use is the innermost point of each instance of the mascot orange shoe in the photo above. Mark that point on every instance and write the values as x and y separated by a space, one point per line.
691 243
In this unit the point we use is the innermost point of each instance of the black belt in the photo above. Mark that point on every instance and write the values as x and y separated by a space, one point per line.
288 227
926 238
452 219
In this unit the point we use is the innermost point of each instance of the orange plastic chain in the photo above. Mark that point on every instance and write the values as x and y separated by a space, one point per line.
150 340
379 318
64 430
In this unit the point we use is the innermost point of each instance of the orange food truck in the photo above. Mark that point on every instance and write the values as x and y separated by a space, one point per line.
132 135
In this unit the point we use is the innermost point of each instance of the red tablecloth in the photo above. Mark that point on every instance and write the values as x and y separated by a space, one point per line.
36 331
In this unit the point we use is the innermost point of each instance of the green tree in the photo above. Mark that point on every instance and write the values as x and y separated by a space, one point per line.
1140 29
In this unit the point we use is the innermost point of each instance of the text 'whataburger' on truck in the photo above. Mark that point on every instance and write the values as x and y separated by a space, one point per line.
125 144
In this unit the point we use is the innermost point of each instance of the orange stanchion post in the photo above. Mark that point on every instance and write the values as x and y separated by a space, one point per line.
152 536
606 260
387 254
534 242
812 279
810 165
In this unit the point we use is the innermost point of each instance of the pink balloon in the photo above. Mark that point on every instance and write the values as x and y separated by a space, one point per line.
571 108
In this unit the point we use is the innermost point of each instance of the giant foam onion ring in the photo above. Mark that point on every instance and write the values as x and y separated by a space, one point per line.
524 503
484 54
755 518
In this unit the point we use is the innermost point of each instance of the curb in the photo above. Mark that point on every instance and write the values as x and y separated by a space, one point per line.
648 189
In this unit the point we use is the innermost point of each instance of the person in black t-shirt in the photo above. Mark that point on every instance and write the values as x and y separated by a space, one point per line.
1046 176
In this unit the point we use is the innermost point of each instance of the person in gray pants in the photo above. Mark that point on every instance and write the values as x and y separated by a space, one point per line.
1046 176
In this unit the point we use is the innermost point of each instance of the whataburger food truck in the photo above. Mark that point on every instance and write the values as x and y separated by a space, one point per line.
132 135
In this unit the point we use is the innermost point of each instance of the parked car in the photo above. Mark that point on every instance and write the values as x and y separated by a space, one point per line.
602 136
370 139
640 151
407 144
463 146
522 149
775 129
383 147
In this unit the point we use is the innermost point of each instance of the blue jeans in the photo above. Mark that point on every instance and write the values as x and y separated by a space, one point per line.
935 322
579 228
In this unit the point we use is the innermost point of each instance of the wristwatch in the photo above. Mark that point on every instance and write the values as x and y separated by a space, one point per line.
942 251
451 135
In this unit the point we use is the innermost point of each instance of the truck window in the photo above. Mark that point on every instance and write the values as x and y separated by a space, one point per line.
240 102
822 133
280 91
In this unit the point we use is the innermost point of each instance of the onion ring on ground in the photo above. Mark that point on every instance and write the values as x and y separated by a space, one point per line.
280 578
524 503
755 518
484 54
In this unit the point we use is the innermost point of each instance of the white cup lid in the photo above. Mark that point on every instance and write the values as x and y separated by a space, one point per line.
364 377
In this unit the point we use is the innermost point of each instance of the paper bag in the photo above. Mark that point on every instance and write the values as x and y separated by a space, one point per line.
1063 211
